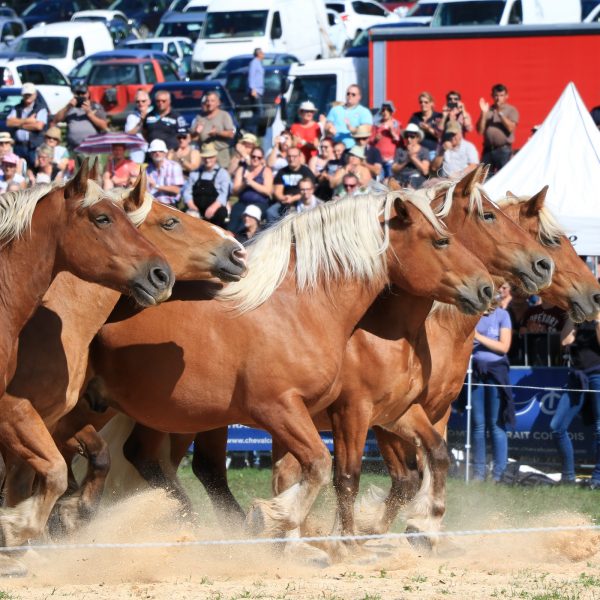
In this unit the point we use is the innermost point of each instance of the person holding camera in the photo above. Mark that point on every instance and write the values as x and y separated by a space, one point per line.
277 158
456 155
454 111
83 117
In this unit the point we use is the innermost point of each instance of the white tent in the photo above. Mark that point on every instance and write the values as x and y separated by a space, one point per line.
564 154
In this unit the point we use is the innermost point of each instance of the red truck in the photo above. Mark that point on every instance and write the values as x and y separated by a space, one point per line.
535 63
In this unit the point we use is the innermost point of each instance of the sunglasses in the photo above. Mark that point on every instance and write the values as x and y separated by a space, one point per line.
293 155
49 137
306 189
257 156
351 94
424 102
141 101
411 135
350 186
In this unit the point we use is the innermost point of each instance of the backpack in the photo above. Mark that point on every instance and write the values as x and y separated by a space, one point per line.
204 192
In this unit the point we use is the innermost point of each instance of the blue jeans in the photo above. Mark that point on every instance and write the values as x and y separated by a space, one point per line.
568 407
486 414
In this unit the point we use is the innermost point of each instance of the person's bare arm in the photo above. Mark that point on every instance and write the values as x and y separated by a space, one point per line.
278 192
501 346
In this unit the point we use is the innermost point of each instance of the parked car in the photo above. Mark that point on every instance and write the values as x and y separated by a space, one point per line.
186 24
186 97
11 28
145 15
275 84
421 13
116 22
51 83
114 82
359 48
338 33
53 11
196 6
359 15
9 98
80 73
243 60
66 44
180 49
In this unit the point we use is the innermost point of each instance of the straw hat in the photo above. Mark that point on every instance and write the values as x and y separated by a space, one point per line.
362 131
6 137
208 151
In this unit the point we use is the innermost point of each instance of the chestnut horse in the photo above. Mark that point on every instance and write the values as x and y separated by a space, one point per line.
76 228
450 336
53 349
312 278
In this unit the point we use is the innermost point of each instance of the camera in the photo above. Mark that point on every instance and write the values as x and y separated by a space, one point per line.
79 101
452 105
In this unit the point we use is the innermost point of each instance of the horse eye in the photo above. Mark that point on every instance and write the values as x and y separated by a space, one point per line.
170 223
102 220
441 243
489 216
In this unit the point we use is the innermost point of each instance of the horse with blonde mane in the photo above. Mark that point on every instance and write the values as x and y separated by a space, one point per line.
53 349
273 352
450 336
48 229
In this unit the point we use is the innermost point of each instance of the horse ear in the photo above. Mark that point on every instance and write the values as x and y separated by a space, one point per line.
94 172
77 186
485 171
509 194
536 202
467 184
135 198
402 211
394 184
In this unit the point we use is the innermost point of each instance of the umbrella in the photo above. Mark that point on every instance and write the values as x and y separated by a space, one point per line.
102 143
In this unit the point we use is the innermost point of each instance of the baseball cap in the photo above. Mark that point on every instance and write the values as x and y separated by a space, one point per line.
453 127
28 88
10 158
157 146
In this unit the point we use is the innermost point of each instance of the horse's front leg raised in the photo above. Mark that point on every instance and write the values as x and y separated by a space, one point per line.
24 436
426 511
292 428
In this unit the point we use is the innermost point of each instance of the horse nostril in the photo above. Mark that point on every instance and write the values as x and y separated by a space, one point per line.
159 278
597 299
544 265
486 293
239 256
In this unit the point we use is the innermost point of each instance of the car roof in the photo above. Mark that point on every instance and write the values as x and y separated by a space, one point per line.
62 28
10 91
164 38
125 61
12 55
25 61
107 14
127 53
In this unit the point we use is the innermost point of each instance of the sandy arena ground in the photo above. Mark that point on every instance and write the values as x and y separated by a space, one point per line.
551 566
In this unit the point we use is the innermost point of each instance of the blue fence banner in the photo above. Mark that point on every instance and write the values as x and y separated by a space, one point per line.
531 439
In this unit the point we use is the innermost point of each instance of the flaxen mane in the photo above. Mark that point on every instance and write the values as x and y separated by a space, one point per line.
339 239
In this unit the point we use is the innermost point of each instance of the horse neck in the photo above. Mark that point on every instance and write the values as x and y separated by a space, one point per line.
28 265
459 327
396 314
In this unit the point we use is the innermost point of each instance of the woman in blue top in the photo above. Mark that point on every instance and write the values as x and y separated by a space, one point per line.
492 407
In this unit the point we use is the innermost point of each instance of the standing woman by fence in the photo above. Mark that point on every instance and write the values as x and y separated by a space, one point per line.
583 341
493 407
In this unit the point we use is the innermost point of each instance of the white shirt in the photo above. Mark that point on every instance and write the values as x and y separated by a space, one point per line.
459 158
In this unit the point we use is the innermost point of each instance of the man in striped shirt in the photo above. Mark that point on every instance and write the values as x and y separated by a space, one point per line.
165 177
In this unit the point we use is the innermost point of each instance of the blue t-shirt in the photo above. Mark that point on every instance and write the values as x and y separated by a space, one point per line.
357 115
490 326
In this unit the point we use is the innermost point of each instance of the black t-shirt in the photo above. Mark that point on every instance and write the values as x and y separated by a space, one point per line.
290 179
164 128
585 350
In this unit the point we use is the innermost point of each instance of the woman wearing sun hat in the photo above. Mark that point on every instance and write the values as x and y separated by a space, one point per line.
307 132
411 164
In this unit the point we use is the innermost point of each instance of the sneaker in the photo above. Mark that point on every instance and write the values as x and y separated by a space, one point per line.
591 484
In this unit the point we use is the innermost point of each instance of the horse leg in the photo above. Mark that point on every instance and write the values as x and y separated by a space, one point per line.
209 466
81 503
143 450
426 511
24 435
377 512
292 428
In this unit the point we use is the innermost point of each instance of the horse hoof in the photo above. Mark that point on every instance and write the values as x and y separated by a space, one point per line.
255 520
307 554
421 544
10 567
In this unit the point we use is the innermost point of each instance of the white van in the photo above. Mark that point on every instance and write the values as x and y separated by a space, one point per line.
233 27
506 12
67 43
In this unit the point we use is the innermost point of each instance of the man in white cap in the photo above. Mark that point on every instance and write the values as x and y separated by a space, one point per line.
165 177
456 156
411 164
207 190
29 119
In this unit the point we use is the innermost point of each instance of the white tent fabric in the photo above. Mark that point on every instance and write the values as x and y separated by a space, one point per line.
564 154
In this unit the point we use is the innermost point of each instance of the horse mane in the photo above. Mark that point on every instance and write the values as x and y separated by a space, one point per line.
338 239
549 230
137 217
476 198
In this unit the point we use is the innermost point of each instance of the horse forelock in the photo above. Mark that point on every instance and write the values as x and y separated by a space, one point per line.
549 228
339 239
476 197
17 208
422 199
138 216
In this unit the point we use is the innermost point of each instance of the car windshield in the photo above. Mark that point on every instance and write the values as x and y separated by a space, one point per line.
148 46
422 10
179 29
468 13
49 47
246 23
7 103
319 89
41 8
114 74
